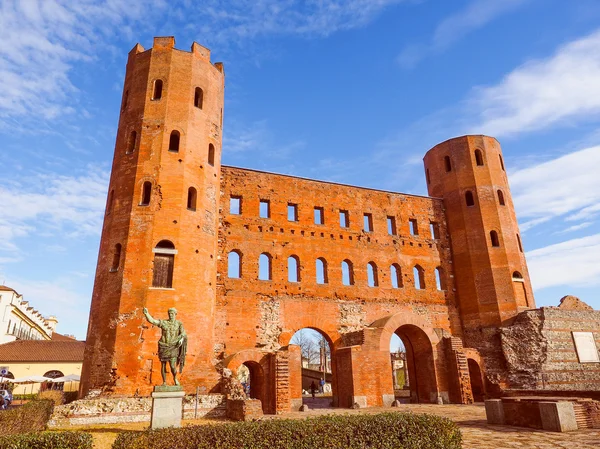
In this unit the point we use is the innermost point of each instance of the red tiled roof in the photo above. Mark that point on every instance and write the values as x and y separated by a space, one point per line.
42 351
4 288
60 337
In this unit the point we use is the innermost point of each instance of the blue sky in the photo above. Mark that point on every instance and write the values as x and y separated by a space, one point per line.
352 91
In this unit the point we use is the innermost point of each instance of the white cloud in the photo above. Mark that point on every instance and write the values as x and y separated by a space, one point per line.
574 262
244 19
566 185
543 93
577 227
476 15
54 205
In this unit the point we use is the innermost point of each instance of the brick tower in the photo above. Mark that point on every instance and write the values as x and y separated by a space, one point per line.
159 239
490 270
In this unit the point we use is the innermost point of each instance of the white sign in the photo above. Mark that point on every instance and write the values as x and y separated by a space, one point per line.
586 347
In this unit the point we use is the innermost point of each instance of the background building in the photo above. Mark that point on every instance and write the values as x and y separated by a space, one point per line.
20 321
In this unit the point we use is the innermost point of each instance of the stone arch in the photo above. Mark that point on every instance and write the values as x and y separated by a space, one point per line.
420 342
295 369
477 382
261 377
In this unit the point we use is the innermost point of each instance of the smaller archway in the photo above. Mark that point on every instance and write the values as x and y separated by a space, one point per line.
234 264
174 141
321 266
146 193
347 273
157 90
191 199
211 154
293 269
477 384
372 277
265 270
469 199
419 275
254 383
478 157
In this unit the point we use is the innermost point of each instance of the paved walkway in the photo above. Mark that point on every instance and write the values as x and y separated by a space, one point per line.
477 434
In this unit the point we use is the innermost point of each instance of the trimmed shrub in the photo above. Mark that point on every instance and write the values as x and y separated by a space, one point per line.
31 417
381 431
48 440
55 396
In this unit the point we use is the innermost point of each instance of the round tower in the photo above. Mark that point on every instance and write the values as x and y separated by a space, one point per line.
490 271
159 239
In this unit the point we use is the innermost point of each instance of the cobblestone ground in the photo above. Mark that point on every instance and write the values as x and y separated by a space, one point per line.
477 434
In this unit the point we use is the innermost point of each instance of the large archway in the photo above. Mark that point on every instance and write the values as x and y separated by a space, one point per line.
419 371
315 384
252 370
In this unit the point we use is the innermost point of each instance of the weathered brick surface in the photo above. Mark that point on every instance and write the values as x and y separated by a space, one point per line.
235 321
540 351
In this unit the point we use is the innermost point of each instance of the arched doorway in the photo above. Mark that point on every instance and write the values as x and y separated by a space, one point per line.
419 371
477 387
254 381
316 381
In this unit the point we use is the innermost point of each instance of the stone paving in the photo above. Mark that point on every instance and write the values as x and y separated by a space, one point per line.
477 434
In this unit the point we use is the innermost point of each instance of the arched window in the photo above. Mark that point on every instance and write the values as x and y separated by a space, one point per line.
191 199
469 198
494 238
132 142
198 97
478 157
347 273
519 243
447 163
116 258
419 275
501 162
211 154
372 278
321 271
517 276
293 269
125 100
234 264
501 197
146 192
264 267
396 275
157 91
164 263
440 279
174 141
109 204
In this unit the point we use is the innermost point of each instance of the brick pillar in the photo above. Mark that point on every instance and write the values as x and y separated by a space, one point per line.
282 382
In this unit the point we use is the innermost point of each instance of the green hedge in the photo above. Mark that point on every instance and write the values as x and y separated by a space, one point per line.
48 440
385 431
31 417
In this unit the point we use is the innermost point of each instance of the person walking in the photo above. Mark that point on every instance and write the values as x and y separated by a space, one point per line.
322 386
313 388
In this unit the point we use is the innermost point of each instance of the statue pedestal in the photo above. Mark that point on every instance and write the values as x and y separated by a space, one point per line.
167 407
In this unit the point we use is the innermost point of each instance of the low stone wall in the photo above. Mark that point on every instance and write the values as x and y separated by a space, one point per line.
120 410
244 409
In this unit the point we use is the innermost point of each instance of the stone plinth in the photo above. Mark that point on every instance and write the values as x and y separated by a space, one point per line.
244 410
494 411
558 416
167 407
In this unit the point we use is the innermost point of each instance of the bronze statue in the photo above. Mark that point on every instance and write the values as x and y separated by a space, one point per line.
172 345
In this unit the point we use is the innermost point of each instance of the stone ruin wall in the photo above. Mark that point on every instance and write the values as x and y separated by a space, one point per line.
540 351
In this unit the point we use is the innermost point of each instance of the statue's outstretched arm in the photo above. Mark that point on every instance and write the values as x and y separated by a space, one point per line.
149 317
